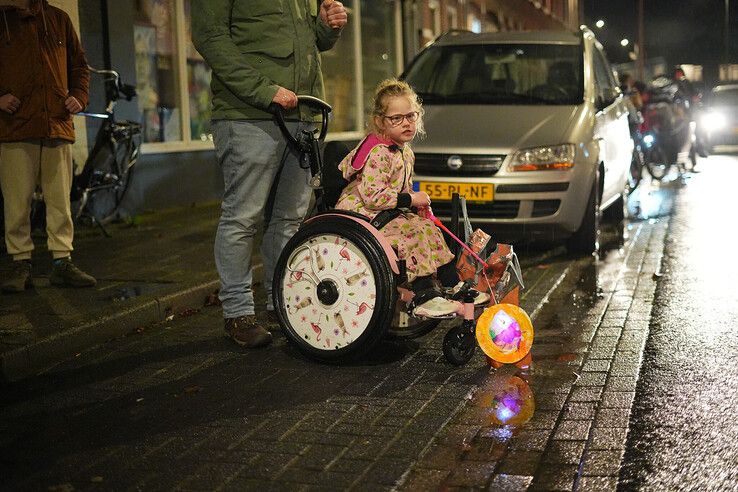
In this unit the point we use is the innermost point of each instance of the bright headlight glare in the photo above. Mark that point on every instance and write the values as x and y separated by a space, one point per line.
544 158
714 121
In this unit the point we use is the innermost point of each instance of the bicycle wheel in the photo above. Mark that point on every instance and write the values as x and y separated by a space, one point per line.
636 169
109 179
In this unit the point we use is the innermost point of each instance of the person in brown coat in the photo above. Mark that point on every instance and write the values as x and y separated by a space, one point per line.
44 80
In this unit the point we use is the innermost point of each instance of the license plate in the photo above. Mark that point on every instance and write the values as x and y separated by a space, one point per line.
473 192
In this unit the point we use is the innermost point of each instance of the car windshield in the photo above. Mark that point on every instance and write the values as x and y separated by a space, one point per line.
499 74
725 97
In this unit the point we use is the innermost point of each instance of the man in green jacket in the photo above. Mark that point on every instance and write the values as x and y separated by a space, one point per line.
261 52
43 81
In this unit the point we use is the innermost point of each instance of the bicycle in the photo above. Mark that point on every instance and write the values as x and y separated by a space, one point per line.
99 189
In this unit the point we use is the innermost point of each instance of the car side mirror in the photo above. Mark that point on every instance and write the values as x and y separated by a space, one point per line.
606 97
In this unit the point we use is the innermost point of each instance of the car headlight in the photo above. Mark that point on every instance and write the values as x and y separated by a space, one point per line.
714 121
543 158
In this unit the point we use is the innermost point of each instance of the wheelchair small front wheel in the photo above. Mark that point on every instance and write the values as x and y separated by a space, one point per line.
334 290
459 343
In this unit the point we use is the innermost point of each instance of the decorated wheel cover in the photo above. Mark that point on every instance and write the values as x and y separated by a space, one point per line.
329 292
505 333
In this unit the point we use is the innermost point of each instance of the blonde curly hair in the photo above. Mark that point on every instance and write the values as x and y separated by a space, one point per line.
394 88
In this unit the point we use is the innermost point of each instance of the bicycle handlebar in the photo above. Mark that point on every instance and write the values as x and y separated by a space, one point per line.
127 90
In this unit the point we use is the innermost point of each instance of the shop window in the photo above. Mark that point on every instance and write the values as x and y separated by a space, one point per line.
174 80
156 70
379 54
339 77
452 18
198 87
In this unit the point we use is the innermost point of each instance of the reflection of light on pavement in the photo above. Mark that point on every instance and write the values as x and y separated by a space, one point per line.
505 413
507 398
647 199
711 245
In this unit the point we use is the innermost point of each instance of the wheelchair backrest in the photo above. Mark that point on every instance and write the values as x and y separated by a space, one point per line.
333 181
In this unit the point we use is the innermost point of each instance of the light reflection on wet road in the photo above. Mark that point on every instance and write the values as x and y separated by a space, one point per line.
683 432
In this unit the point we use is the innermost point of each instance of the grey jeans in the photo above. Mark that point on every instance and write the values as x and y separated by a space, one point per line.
263 180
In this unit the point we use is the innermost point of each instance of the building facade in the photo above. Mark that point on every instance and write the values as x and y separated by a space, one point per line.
148 42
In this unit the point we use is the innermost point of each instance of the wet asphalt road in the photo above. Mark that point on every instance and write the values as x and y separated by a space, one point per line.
684 424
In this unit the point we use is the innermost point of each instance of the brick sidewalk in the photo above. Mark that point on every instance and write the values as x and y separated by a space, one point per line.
145 272
178 405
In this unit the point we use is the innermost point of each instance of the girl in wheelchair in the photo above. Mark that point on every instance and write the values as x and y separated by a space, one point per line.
379 173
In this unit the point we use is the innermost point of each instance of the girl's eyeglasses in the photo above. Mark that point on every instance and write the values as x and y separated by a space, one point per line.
396 119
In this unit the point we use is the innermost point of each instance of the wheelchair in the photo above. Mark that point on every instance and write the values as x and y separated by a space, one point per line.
337 284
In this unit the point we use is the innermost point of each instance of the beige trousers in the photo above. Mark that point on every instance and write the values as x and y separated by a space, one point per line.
23 165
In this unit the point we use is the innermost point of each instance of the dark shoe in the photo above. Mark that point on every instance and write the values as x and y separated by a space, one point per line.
247 332
66 274
19 278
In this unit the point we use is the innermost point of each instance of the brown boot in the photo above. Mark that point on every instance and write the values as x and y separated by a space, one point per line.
64 273
247 332
19 278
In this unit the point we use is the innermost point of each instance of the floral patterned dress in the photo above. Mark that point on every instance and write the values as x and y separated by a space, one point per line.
386 173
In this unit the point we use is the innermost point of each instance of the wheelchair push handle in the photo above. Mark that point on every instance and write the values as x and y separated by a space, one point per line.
310 101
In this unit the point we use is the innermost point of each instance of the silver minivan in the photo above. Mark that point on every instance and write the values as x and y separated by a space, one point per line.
530 127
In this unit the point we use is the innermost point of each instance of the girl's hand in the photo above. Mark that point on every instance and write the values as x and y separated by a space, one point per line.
425 212
420 199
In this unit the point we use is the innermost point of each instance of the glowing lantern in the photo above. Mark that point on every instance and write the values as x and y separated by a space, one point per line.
505 333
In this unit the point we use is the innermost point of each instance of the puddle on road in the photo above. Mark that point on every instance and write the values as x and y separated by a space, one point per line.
507 399
589 288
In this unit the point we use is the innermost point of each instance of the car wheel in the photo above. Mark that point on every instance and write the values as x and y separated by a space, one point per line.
586 239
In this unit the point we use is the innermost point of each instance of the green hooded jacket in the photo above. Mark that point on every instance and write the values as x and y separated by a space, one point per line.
255 46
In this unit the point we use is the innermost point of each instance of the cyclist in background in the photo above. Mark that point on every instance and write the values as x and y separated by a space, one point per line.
44 80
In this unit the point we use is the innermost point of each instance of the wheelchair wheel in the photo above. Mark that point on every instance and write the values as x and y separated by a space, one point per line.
459 343
334 290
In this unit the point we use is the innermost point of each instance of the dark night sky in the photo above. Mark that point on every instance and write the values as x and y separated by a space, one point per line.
682 31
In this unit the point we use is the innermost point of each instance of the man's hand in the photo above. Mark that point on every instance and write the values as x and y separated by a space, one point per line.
285 98
73 105
333 14
9 103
